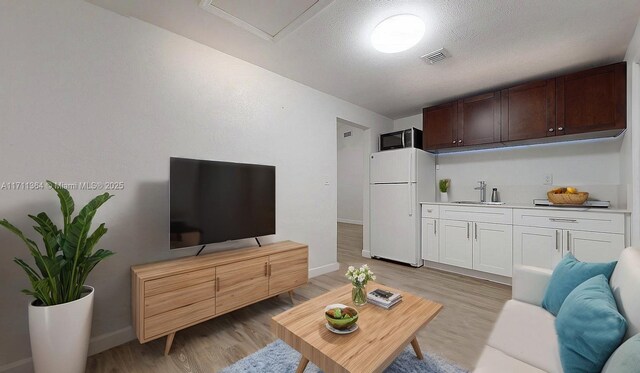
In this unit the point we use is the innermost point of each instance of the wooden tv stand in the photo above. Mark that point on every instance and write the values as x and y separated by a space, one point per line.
176 294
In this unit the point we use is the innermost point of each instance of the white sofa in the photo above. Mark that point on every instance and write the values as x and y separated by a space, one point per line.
524 338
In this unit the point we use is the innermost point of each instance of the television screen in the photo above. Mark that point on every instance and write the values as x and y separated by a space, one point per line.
220 201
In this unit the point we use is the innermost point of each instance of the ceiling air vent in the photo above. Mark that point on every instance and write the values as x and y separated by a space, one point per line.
435 56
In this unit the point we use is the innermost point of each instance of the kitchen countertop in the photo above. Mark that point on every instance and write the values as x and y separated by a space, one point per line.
522 206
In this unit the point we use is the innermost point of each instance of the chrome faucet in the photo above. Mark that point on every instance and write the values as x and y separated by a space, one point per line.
483 190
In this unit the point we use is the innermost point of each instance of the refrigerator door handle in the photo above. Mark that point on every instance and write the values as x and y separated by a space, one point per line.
409 184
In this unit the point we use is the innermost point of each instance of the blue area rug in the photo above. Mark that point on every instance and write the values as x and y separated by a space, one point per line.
278 357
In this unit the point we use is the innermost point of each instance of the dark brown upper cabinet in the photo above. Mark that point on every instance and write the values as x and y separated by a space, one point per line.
440 126
479 119
592 100
587 104
529 111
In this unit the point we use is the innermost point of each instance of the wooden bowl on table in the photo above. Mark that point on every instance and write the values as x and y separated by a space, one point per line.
568 198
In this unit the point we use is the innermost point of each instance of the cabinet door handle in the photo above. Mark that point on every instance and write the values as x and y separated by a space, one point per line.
551 130
560 128
563 220
266 269
217 283
475 230
568 241
459 141
557 248
269 269
454 141
468 225
435 230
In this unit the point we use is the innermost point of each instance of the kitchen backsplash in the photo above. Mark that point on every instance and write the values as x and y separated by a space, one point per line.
616 194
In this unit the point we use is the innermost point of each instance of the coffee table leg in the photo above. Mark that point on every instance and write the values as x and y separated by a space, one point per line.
416 348
303 364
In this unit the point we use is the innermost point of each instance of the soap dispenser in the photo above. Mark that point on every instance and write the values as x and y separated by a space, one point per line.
494 195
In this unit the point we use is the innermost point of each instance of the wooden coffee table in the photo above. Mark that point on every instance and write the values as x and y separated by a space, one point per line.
381 336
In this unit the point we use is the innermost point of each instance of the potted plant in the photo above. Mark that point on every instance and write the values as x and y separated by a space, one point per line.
443 185
60 315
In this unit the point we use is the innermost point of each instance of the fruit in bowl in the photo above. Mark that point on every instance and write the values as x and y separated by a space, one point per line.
340 316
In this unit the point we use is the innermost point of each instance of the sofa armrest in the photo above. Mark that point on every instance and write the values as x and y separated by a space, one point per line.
529 284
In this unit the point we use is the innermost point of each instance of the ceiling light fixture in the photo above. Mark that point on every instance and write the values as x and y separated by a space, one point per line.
397 33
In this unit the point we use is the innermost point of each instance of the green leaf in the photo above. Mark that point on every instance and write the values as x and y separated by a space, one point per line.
75 239
48 231
32 246
76 235
66 202
93 239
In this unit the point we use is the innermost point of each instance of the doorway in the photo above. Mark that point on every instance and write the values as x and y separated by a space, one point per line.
350 192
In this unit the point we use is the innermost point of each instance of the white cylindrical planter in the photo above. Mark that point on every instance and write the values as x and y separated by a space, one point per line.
444 197
60 335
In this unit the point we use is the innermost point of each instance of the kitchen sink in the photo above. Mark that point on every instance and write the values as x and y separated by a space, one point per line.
478 203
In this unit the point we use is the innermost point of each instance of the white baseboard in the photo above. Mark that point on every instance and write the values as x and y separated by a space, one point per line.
315 272
110 340
349 221
96 345
366 253
20 366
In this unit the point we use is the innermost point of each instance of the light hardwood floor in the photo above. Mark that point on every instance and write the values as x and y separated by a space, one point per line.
458 333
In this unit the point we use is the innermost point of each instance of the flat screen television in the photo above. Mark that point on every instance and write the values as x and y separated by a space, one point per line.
220 201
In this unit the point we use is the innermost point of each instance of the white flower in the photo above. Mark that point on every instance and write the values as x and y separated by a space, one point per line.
351 269
361 277
365 266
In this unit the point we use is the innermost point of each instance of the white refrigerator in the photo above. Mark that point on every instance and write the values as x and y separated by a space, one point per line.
398 181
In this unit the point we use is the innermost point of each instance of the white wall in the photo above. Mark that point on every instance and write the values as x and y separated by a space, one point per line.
89 95
350 173
518 172
408 122
631 150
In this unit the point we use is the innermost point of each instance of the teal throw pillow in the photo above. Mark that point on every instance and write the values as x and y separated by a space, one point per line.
568 274
589 327
626 359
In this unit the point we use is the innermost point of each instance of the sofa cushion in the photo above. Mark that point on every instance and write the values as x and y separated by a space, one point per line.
527 333
568 274
589 326
626 359
625 282
496 361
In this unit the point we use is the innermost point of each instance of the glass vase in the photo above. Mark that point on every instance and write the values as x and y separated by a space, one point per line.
359 295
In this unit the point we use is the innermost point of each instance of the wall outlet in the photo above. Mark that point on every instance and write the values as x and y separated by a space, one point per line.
548 179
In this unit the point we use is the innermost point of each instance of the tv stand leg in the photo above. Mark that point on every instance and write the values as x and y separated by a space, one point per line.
291 296
167 345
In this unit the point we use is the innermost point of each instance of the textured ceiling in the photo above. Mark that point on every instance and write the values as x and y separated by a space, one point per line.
492 43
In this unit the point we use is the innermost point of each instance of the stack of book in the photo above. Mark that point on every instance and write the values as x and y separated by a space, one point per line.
383 298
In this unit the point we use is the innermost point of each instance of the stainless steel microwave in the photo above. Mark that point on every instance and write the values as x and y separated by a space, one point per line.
409 138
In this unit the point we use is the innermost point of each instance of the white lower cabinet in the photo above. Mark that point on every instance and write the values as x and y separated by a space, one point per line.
485 247
545 247
455 243
492 248
537 247
430 240
484 238
594 246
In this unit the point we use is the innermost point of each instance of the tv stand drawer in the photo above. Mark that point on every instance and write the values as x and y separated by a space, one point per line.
175 282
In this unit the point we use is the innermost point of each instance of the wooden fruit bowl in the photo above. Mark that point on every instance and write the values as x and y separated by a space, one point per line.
567 198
